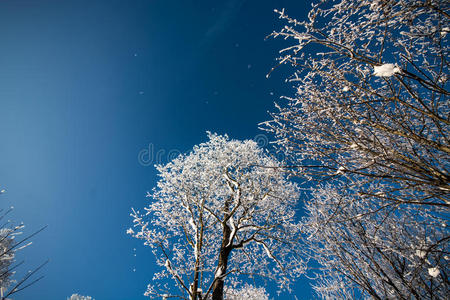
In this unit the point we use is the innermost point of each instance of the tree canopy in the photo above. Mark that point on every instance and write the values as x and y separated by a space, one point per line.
221 213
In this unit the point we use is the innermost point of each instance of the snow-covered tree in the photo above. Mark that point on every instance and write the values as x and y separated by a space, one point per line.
9 245
221 212
6 257
372 96
79 297
370 121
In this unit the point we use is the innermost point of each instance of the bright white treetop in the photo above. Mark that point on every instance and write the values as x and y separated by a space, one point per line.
79 297
223 211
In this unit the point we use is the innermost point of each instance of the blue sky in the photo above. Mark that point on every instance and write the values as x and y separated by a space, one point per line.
85 86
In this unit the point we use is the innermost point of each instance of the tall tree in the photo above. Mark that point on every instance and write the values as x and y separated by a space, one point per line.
218 215
370 122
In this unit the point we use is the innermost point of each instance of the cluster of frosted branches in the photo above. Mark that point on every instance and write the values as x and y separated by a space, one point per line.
8 248
247 292
6 257
371 117
397 253
372 98
223 211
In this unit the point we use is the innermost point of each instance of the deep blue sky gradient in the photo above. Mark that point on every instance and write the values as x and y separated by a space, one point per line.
86 85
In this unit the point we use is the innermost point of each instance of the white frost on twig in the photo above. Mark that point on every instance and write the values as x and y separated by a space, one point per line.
340 170
421 253
233 231
385 70
434 272
218 272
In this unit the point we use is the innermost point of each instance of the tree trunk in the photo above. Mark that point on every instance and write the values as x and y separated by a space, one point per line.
225 251
194 286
